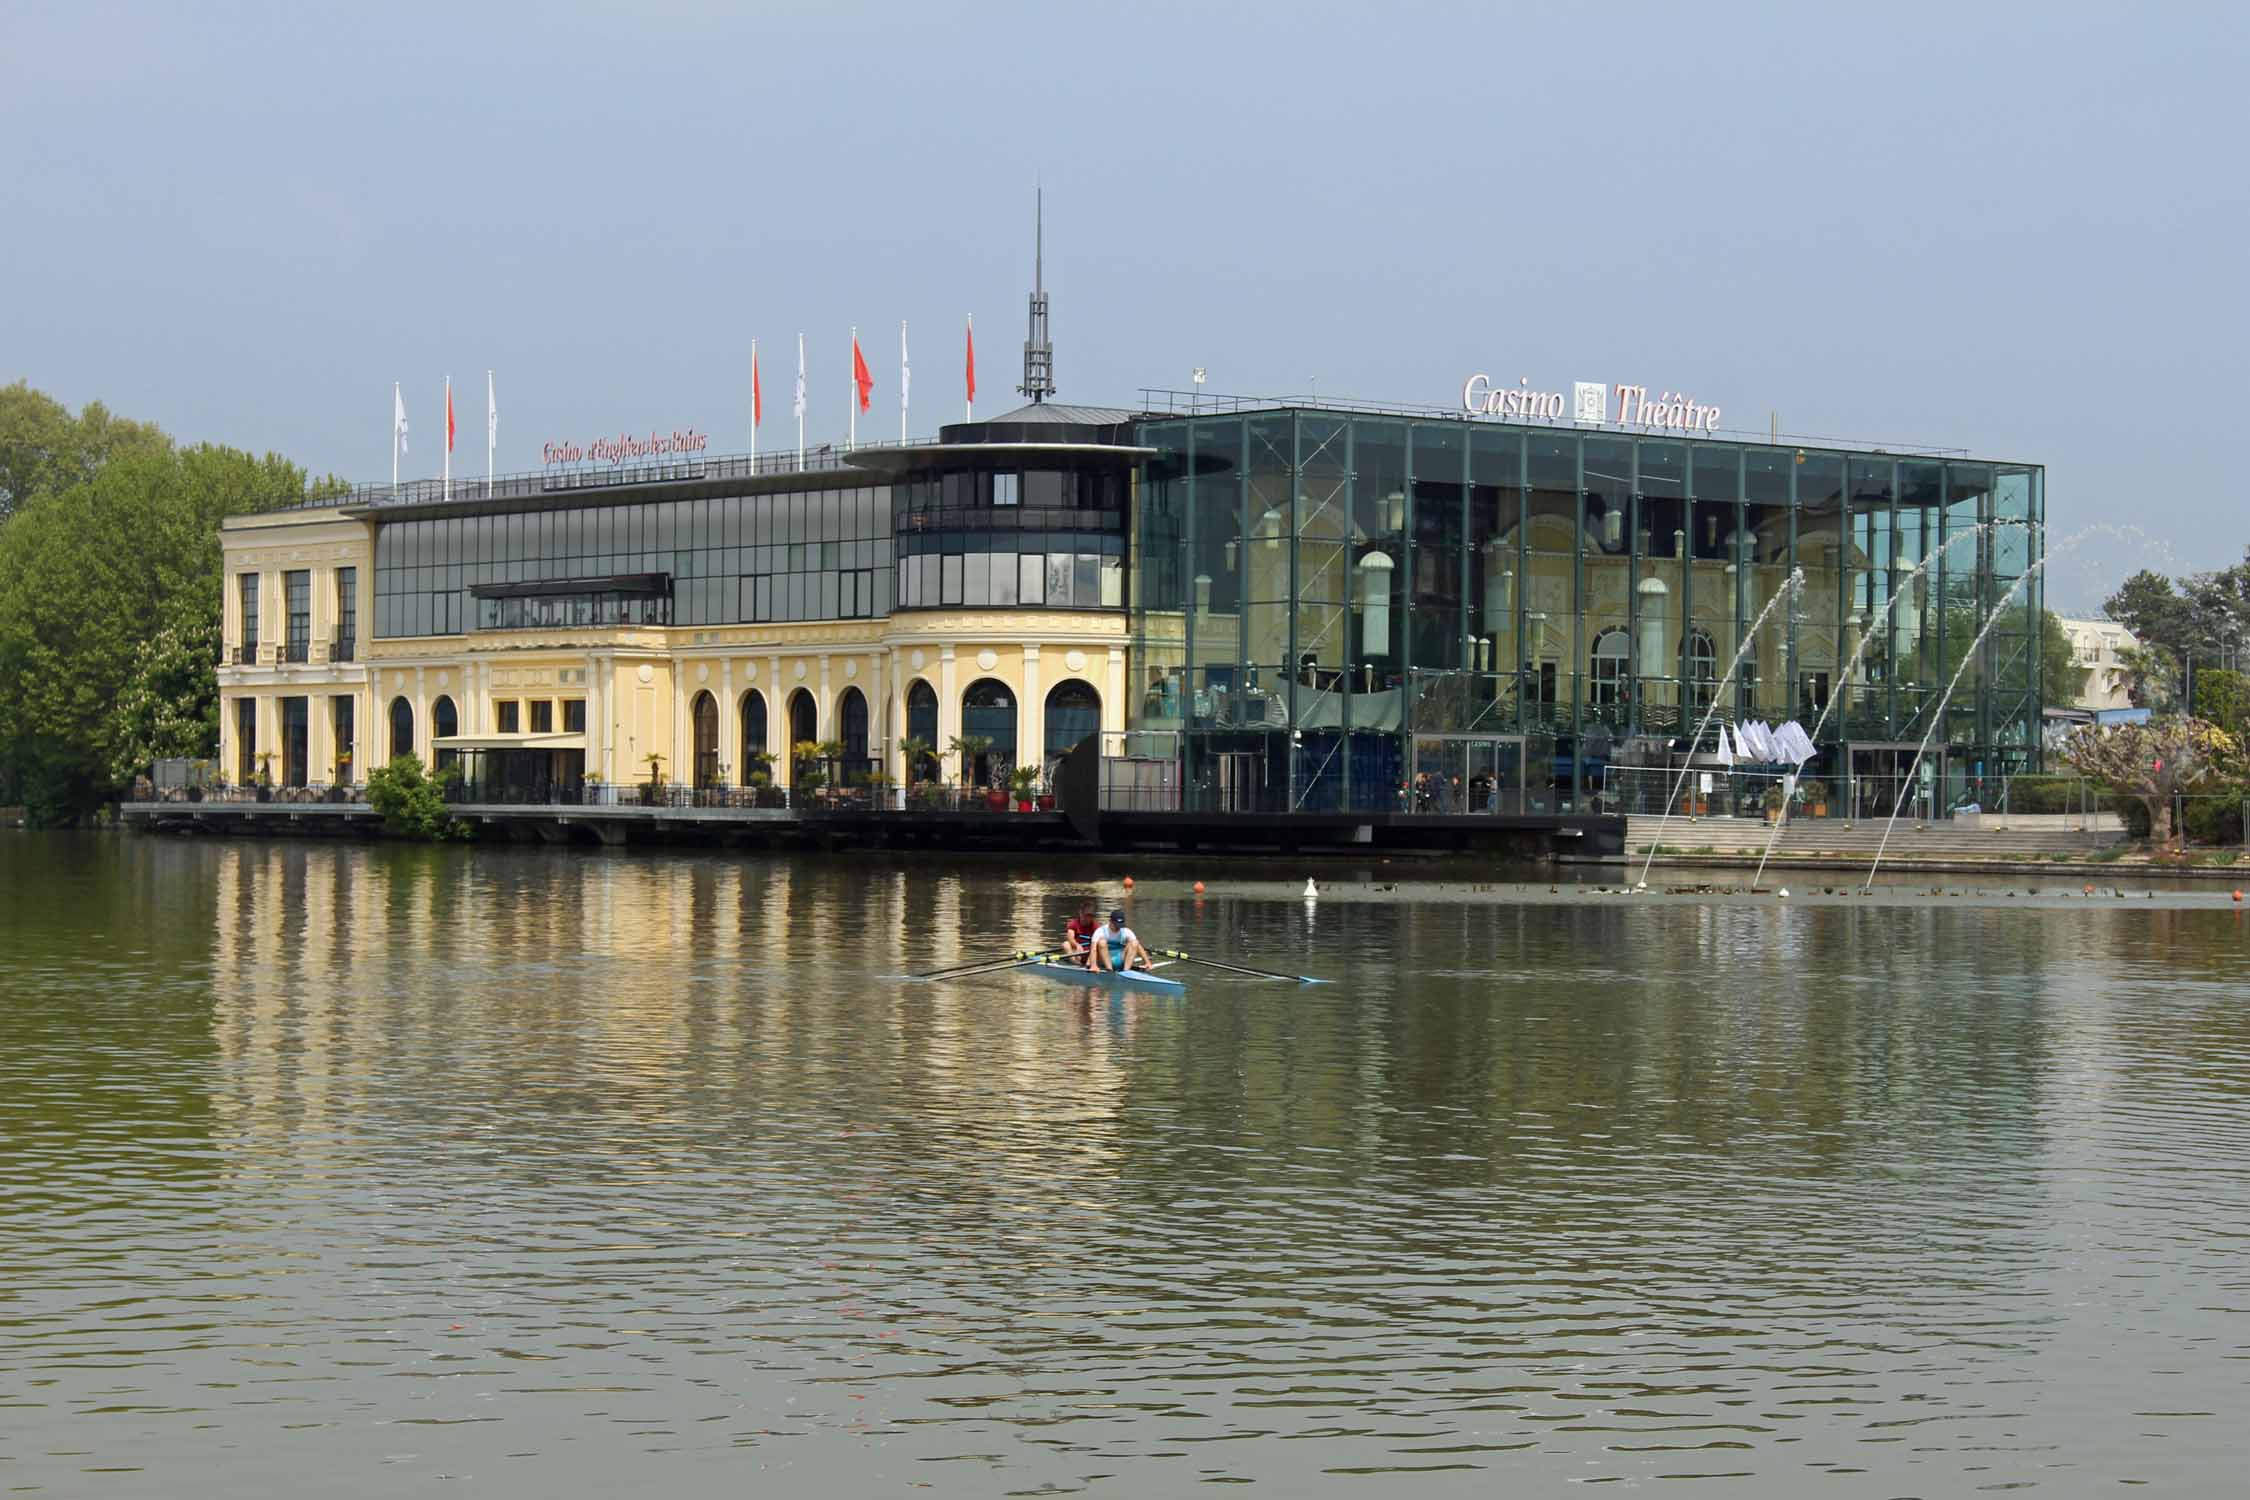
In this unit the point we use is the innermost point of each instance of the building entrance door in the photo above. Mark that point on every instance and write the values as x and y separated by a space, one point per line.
1877 773
1468 774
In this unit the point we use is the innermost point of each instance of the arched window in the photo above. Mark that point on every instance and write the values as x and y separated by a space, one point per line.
921 724
402 728
1074 711
851 716
1702 670
1612 666
804 723
705 711
988 712
753 730
445 723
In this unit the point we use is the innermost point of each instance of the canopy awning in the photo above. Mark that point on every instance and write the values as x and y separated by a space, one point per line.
510 742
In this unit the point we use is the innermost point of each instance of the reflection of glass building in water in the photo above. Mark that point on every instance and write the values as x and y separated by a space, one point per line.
1269 607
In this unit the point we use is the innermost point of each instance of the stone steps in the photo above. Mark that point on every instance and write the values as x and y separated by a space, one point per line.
1832 836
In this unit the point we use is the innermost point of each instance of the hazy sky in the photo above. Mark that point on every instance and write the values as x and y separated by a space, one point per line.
2017 229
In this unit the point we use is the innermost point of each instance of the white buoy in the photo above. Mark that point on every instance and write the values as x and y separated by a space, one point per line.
1784 893
1640 885
1312 892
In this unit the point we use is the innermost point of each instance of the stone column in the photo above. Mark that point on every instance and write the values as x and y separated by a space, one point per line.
824 707
777 720
422 717
878 713
1031 714
948 712
320 729
730 727
1113 696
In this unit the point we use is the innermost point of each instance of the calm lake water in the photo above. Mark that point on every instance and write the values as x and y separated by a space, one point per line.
368 1171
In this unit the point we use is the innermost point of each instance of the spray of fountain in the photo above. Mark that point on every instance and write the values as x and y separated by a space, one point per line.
1868 638
1788 590
1937 717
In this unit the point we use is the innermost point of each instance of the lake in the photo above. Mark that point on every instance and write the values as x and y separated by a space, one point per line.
369 1170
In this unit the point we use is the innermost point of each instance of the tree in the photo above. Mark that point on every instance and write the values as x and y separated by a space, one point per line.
95 579
2061 678
45 450
413 804
2223 698
2155 762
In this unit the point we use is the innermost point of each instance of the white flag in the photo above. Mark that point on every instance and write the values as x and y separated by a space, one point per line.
1726 747
491 411
398 418
905 371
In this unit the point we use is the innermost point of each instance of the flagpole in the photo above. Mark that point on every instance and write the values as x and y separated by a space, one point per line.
448 437
905 379
491 430
851 439
753 406
969 413
800 401
398 404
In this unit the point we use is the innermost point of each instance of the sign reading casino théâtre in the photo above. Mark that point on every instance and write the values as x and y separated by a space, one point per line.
1671 411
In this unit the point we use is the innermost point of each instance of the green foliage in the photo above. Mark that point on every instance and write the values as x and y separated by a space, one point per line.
2223 697
109 589
413 804
45 450
2204 614
2062 679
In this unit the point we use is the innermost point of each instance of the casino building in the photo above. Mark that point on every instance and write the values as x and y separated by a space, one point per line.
1268 607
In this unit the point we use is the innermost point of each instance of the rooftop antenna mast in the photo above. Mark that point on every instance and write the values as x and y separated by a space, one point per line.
1038 351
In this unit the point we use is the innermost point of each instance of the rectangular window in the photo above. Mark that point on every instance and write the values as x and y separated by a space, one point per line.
542 716
1006 489
341 715
1031 569
976 580
949 580
245 739
506 716
296 593
346 645
249 589
574 716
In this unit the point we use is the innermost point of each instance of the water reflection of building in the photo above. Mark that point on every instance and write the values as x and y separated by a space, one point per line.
680 996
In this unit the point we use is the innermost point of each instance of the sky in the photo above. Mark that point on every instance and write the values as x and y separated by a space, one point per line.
2010 228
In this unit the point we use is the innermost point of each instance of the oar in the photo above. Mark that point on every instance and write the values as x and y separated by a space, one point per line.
1212 963
988 966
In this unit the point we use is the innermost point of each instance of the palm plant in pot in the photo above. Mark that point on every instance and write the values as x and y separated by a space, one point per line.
1025 780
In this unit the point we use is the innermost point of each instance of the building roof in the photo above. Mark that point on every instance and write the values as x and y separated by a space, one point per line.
1066 415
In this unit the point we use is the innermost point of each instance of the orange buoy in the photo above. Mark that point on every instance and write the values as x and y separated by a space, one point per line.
1129 883
2089 889
2238 896
1199 891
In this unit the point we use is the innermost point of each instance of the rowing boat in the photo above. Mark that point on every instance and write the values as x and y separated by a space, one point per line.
1129 979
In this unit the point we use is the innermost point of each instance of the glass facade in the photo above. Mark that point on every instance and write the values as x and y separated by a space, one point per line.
816 554
982 537
1328 604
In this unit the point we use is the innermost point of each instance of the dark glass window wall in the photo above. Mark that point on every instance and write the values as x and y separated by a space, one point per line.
803 555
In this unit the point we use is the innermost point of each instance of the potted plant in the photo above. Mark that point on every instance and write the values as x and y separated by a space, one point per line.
1814 794
265 775
917 752
652 792
1025 779
339 790
971 748
1776 802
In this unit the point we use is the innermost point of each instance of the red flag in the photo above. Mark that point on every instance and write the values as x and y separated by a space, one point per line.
860 376
757 395
972 361
449 416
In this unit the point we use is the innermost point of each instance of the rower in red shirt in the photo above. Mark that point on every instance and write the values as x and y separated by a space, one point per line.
1078 933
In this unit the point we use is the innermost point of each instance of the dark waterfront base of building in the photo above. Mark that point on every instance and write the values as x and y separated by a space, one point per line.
1514 838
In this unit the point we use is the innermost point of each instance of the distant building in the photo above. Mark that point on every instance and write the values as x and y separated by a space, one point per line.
2097 645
